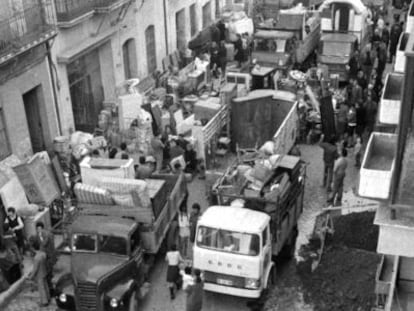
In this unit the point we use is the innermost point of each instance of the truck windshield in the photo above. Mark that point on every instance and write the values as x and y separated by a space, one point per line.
84 242
112 245
269 45
336 49
228 241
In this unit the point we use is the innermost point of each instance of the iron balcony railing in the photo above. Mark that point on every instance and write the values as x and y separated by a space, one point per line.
20 27
70 10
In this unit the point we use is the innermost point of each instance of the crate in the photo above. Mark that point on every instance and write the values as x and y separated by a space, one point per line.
378 166
390 104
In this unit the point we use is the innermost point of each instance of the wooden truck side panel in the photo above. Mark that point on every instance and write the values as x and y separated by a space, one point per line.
153 230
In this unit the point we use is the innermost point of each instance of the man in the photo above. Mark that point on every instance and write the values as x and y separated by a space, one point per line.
370 113
39 274
354 65
367 59
123 152
395 33
46 241
143 171
382 58
356 92
195 215
329 155
16 225
339 173
158 151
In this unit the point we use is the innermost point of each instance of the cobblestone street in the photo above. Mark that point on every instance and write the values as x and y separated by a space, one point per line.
286 294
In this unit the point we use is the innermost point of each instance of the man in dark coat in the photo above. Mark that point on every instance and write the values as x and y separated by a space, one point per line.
395 33
330 153
46 241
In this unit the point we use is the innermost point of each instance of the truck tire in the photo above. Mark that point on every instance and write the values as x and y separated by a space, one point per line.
133 302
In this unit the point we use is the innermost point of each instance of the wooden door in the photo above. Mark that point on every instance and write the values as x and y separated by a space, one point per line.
34 122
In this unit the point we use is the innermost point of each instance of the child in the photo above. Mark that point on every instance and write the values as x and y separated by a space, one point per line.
357 152
187 277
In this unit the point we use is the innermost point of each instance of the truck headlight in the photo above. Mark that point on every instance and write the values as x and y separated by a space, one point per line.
252 283
113 303
63 298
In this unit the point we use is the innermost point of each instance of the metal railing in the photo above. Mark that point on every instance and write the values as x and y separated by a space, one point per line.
25 25
68 10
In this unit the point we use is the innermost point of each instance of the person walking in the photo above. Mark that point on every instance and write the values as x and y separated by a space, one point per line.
173 272
46 241
195 215
184 230
367 59
16 225
395 33
39 274
370 113
339 173
382 58
330 153
195 293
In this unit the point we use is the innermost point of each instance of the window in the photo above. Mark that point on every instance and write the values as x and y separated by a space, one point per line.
151 49
4 141
336 48
113 245
228 241
264 237
84 243
206 14
135 240
193 19
130 59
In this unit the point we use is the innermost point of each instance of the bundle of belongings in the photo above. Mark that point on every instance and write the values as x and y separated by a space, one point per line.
268 180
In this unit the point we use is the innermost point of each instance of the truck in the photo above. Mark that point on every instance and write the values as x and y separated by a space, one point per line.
240 240
335 52
346 17
289 39
113 244
265 115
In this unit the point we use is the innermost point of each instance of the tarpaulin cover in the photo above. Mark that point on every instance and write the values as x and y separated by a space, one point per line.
327 117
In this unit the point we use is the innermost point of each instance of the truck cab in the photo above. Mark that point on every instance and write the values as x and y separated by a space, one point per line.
274 48
233 248
107 268
335 51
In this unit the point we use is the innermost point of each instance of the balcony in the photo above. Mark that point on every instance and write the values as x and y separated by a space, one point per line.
72 12
23 29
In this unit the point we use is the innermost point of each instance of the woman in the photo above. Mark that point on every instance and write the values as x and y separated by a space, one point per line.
184 230
173 272
195 293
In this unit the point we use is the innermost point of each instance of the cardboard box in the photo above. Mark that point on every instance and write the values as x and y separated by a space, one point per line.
37 180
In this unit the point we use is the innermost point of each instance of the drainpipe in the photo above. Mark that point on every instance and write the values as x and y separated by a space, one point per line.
52 77
166 27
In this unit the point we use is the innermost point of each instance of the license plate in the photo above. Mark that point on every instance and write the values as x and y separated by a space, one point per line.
224 282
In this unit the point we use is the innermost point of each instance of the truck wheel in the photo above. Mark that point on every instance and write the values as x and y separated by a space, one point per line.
133 302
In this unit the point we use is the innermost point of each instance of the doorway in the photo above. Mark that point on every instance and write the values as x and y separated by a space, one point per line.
34 122
342 17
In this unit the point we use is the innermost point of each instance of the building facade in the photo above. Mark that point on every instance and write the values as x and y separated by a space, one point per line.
28 115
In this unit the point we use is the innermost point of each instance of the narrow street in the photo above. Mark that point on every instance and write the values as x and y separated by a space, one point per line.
286 294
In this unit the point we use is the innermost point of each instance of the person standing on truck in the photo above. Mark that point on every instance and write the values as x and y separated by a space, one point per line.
239 51
194 217
158 151
339 173
173 272
330 153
